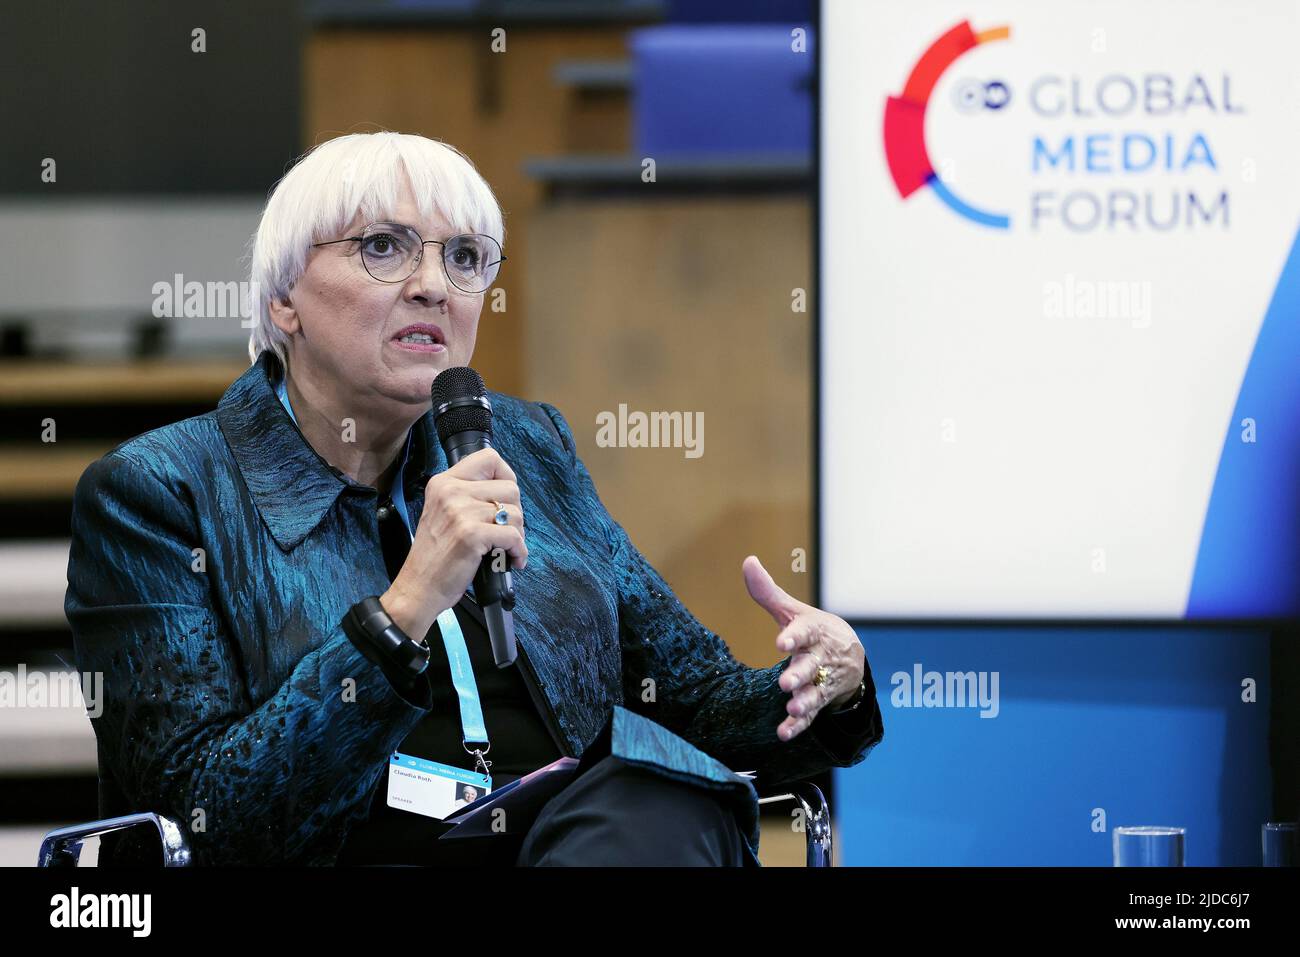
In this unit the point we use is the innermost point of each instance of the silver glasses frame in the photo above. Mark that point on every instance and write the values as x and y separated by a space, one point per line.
419 257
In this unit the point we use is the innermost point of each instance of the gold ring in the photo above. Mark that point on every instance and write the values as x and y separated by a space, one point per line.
501 517
820 677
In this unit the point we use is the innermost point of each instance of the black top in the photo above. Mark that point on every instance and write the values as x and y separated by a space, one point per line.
520 742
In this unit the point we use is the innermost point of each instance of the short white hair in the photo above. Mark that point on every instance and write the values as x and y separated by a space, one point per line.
361 172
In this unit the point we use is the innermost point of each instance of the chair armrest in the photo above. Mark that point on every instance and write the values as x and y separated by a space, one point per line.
62 846
817 818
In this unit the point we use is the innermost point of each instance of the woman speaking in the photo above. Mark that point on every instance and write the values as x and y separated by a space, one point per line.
279 593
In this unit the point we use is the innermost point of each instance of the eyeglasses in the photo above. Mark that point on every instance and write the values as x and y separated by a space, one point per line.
392 252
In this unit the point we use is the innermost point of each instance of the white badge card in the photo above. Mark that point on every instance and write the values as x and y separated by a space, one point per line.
432 789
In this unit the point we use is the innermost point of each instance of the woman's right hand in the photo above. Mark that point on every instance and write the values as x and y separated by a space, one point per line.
456 531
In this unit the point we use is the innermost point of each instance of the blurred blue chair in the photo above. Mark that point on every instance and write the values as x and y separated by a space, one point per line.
724 90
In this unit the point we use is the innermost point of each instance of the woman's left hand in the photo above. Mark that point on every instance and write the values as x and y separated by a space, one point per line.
817 639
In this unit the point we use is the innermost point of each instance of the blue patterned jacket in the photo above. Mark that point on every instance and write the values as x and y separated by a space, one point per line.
213 561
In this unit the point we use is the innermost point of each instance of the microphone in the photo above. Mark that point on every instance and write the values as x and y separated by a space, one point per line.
462 414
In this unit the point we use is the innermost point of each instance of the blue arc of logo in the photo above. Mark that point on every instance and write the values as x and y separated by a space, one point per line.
959 206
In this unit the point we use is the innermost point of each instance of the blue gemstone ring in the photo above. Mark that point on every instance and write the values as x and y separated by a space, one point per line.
501 517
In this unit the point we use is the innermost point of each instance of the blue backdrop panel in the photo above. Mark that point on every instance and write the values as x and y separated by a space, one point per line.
1249 558
1145 723
738 11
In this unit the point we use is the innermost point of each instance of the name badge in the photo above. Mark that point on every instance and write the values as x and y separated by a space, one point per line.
432 789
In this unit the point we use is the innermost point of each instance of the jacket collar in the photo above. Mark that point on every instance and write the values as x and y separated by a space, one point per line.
290 484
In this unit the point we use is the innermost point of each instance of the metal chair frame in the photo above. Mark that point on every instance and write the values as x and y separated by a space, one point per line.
62 847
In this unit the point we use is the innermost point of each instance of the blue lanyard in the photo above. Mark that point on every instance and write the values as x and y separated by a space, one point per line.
472 725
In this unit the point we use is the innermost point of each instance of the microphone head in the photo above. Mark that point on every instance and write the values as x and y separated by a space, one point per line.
460 402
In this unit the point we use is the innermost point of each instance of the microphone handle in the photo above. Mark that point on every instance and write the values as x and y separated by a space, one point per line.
494 590
490 585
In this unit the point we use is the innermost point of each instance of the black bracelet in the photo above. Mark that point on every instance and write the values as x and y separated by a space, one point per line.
857 699
368 620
